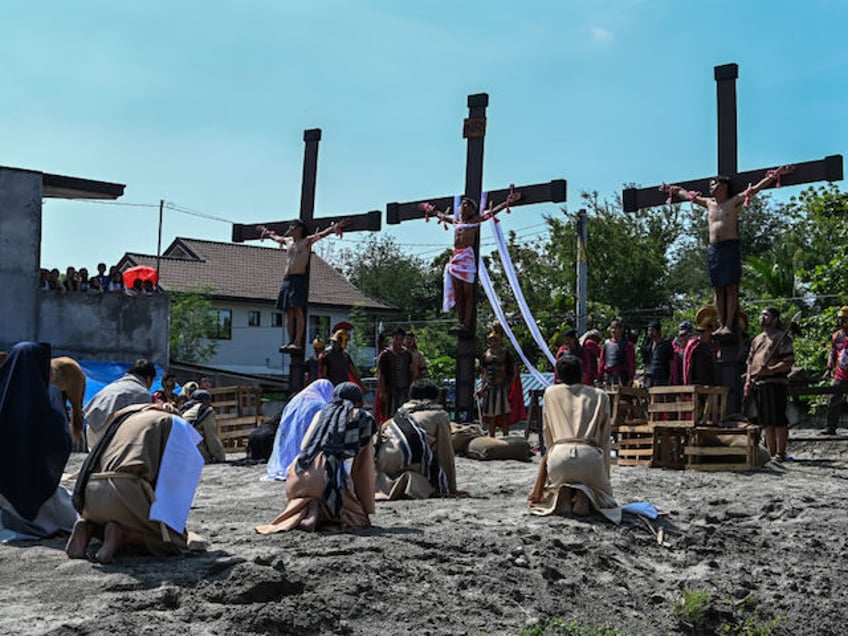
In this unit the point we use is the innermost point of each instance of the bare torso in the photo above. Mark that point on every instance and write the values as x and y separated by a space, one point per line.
465 236
723 219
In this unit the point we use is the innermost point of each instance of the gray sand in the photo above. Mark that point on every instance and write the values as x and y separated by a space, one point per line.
482 564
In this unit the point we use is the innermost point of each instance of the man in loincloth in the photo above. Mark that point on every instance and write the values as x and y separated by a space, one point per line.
769 362
462 266
298 242
724 253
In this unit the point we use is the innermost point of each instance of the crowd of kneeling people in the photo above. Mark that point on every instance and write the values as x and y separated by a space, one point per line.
136 484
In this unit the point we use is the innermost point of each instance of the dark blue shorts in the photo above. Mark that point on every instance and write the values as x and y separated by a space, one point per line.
724 261
292 293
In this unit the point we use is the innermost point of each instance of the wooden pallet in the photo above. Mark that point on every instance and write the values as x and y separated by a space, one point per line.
713 449
634 445
688 405
669 447
238 412
628 403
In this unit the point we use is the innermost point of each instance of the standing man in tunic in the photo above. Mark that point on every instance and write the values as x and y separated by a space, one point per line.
769 362
395 373
617 364
837 363
499 371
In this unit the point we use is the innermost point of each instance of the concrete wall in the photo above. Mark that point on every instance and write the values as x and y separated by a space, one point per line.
20 253
105 327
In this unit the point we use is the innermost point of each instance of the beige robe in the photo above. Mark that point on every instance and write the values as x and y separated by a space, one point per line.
121 488
305 493
397 482
576 424
210 446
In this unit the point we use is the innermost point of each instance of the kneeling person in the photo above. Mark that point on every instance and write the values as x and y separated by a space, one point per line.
137 485
415 455
199 413
574 474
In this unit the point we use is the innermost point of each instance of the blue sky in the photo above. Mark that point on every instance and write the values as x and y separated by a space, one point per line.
204 103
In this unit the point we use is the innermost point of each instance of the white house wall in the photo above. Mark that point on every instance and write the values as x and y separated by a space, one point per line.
255 349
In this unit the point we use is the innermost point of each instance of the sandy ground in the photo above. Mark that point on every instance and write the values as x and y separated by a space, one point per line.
773 540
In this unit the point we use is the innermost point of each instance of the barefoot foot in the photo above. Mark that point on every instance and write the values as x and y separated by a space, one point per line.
79 539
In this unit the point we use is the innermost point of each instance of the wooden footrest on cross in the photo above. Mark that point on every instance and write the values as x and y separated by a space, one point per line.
732 449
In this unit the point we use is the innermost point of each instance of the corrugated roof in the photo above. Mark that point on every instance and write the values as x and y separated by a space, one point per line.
245 271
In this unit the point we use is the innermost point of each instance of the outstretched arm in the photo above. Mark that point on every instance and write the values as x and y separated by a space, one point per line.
772 176
271 234
511 198
676 192
332 228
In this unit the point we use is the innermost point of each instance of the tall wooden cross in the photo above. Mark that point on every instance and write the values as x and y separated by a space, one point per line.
367 221
827 169
474 130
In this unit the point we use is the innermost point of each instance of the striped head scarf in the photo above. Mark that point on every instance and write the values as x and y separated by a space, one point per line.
341 432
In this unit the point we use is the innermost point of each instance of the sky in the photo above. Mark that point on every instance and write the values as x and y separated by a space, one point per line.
203 104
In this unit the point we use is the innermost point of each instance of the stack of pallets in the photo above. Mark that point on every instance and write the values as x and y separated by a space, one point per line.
238 412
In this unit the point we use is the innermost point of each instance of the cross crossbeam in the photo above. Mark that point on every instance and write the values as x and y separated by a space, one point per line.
366 221
474 130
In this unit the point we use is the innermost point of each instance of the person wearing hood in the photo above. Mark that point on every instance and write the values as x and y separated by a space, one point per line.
36 446
319 488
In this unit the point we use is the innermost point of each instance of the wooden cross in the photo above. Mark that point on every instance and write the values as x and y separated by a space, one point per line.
827 169
367 221
474 130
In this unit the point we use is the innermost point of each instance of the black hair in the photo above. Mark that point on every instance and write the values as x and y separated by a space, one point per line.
143 368
303 225
399 331
723 178
569 369
423 389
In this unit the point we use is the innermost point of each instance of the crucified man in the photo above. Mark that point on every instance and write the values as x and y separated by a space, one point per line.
724 253
297 241
462 266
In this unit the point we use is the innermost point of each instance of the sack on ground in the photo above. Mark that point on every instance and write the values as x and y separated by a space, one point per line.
462 434
489 448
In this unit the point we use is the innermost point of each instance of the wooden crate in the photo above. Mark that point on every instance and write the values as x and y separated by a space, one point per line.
733 449
634 445
670 446
688 405
628 403
238 412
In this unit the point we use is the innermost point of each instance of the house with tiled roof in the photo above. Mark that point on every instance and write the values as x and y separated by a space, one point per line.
243 282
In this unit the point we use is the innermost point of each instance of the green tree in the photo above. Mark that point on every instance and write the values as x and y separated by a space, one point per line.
382 270
192 319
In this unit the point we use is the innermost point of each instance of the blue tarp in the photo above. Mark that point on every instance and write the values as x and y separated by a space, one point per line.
99 374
